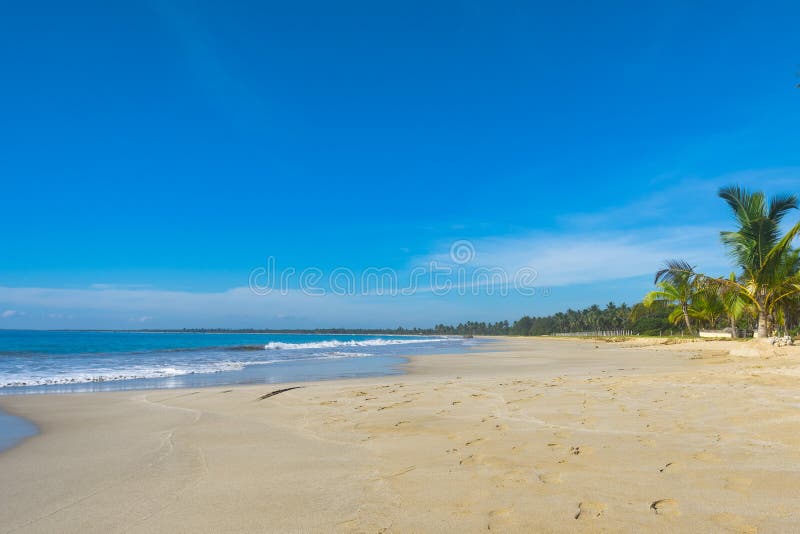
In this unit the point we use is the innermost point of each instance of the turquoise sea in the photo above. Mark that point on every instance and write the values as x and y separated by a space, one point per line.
70 361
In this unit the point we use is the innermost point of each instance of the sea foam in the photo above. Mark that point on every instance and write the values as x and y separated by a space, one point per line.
276 345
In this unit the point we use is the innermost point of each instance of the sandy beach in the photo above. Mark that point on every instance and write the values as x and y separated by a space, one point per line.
547 435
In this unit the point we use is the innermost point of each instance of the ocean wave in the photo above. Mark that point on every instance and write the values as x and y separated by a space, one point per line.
277 345
86 376
42 369
136 373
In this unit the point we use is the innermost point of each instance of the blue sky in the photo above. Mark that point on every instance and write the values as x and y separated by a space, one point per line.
154 154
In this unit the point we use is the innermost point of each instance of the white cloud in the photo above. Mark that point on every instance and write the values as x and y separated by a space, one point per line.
119 286
8 313
680 221
687 201
569 259
236 307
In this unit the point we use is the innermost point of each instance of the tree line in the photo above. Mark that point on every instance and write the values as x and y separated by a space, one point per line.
762 294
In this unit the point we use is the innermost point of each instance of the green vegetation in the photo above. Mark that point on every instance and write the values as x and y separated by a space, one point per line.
765 293
637 319
676 290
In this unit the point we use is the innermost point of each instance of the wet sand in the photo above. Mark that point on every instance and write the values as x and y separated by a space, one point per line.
547 435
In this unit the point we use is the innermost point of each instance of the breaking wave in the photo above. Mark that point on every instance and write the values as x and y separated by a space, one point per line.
276 345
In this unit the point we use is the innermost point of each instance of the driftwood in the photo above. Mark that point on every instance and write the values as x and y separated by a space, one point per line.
271 393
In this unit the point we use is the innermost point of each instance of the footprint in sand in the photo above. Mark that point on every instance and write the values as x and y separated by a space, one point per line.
472 459
502 512
671 467
734 522
499 519
395 405
580 450
647 442
550 478
706 456
512 477
591 510
739 484
668 507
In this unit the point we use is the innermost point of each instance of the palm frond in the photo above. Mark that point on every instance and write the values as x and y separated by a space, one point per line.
780 205
675 271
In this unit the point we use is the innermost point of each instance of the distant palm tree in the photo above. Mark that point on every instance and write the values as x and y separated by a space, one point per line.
735 304
760 251
676 287
707 306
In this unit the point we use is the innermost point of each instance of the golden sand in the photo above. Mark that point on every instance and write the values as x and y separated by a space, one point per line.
545 435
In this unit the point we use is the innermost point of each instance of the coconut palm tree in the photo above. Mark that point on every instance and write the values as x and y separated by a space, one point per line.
760 251
789 276
735 304
676 287
707 306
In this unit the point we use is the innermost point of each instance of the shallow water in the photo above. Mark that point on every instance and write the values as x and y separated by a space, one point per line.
14 429
50 362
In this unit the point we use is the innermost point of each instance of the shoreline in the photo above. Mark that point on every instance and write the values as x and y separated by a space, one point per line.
525 434
18 429
245 359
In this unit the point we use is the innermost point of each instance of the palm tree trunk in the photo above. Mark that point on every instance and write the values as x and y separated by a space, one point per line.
733 327
685 310
762 325
763 316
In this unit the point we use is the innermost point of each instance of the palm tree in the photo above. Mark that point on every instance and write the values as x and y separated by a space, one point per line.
788 276
676 287
707 306
760 251
734 302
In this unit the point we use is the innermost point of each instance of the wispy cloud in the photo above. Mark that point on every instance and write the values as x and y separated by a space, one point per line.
119 286
8 313
687 200
236 307
682 220
580 258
